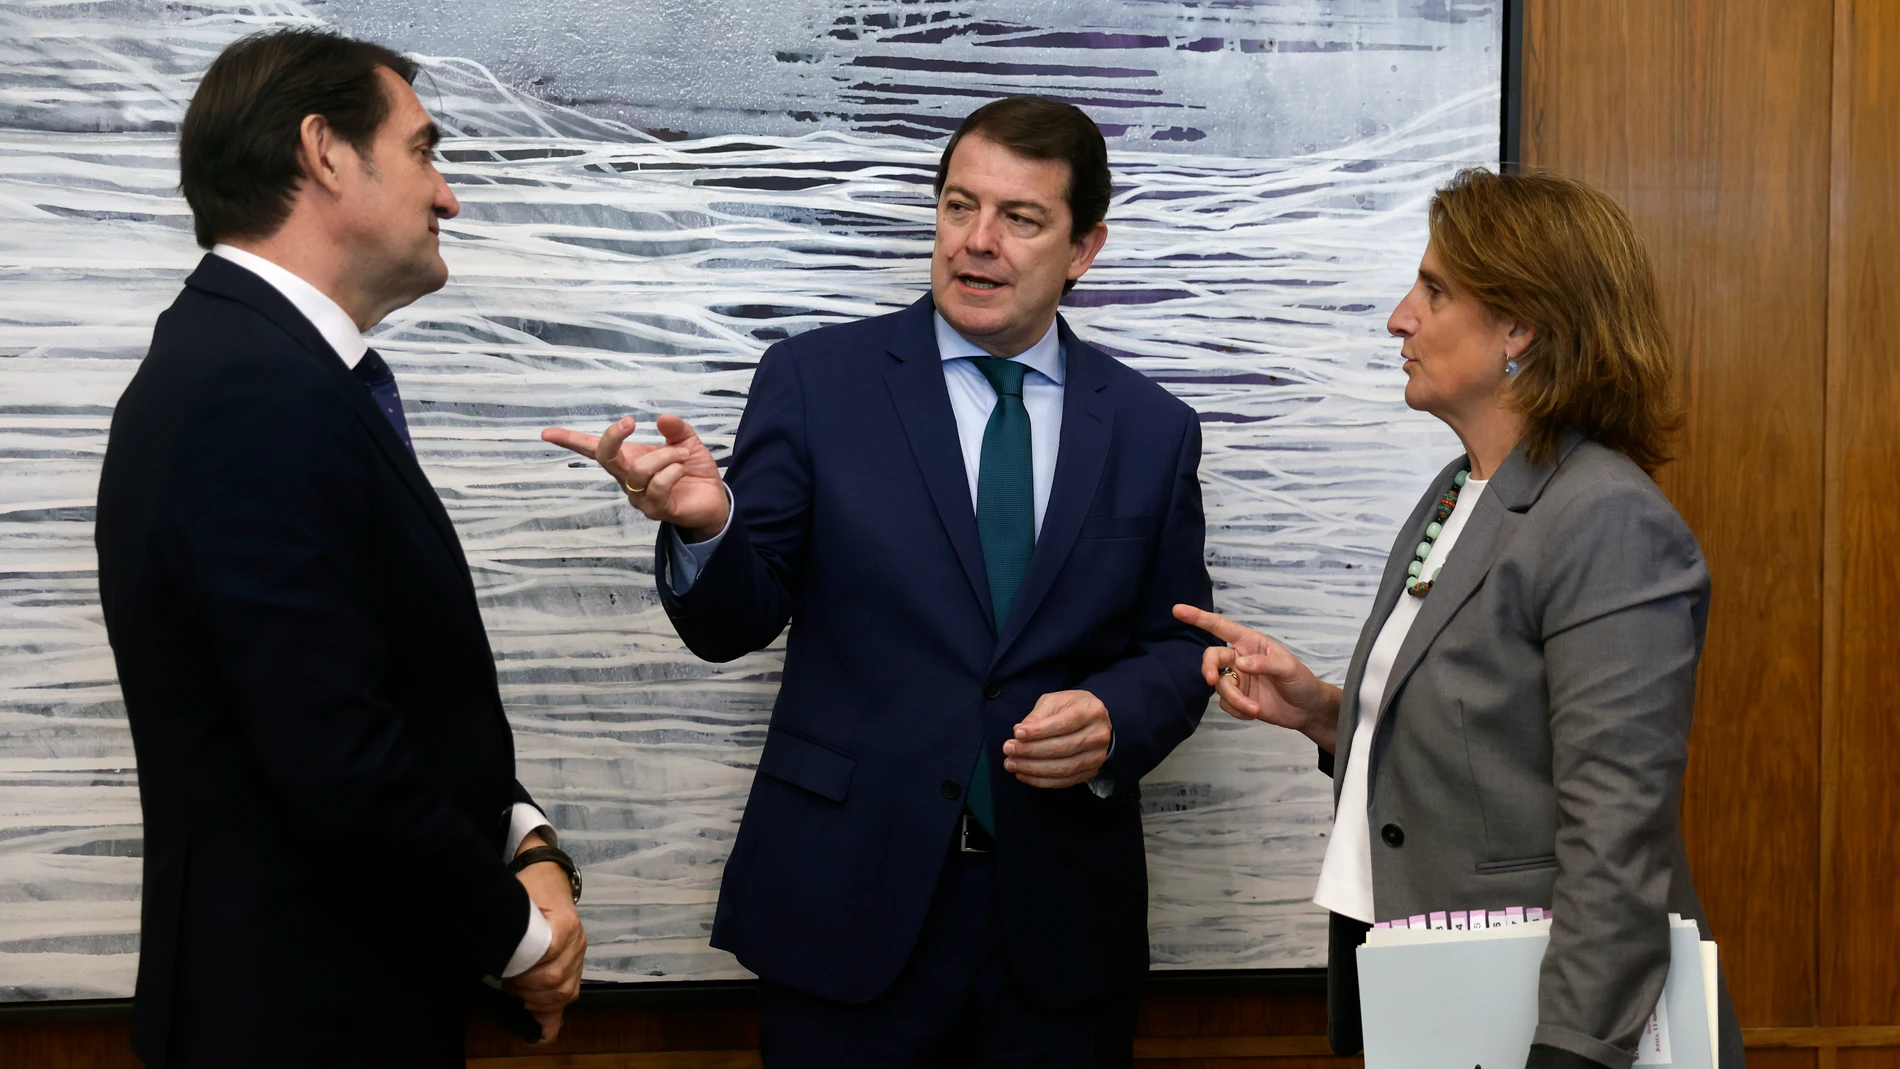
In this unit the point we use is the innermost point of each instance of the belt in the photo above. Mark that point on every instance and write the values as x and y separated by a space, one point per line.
971 838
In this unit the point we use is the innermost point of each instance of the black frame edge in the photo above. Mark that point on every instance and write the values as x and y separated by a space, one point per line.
1511 110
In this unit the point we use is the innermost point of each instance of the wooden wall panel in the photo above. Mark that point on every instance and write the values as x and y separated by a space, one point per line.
1861 955
1706 119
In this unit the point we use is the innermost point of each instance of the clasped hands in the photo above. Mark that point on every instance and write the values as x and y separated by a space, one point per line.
1062 742
555 980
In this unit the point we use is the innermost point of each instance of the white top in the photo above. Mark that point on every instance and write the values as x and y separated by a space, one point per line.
1345 879
340 331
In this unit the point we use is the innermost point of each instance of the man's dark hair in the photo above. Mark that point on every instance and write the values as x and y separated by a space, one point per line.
238 145
1039 129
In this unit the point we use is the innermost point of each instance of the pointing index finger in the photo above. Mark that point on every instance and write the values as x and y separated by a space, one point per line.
584 444
1215 624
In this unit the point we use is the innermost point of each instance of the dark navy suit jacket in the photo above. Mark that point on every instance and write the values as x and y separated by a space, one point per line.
323 760
855 524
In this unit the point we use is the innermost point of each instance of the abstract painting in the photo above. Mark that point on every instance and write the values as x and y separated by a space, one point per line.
653 192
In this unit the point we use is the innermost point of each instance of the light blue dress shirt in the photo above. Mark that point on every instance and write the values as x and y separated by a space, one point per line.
972 399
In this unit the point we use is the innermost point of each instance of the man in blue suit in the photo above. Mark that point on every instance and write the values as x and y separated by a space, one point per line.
337 851
976 524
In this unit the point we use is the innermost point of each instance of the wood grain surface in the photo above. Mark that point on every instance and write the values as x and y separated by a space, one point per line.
1861 855
1708 121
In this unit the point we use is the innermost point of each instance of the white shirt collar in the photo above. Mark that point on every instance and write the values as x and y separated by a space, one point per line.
1045 356
326 315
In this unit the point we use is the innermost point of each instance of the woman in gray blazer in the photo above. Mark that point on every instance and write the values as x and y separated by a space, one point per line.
1515 718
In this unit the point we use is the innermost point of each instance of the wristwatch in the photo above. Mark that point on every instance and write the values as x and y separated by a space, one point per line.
538 854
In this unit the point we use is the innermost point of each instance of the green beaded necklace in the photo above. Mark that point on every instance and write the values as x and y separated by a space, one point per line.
1415 586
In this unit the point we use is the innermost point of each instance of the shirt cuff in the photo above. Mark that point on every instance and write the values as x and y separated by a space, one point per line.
1104 784
688 558
524 820
534 943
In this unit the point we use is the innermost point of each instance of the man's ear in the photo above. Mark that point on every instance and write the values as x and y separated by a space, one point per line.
1083 249
319 153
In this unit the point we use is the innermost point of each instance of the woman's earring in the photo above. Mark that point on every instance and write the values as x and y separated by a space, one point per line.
1510 368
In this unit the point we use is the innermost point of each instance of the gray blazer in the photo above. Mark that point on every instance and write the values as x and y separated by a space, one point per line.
1532 738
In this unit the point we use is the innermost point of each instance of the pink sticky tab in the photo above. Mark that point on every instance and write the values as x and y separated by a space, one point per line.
1533 914
1514 915
1438 920
1399 923
1477 920
1418 920
1498 918
1458 921
1383 924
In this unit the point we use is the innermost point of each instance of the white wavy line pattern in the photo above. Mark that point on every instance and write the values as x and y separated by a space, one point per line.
599 271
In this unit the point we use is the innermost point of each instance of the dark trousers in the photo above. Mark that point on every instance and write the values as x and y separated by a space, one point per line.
953 1005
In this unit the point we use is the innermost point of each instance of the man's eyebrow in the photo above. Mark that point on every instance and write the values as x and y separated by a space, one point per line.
431 133
1007 205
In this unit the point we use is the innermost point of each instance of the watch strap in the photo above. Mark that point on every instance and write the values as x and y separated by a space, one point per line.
537 854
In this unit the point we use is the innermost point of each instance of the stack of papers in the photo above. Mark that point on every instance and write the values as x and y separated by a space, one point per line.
1433 994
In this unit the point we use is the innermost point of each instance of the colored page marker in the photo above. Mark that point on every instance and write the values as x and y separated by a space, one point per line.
1438 920
1498 918
1418 920
1477 920
1383 924
1458 921
1533 914
1514 915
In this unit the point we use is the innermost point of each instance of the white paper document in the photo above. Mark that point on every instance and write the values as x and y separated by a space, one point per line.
1450 998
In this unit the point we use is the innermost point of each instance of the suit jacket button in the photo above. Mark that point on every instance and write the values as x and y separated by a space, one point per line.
992 689
1393 835
951 790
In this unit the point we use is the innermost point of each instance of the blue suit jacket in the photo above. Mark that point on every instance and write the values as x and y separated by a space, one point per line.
855 524
313 703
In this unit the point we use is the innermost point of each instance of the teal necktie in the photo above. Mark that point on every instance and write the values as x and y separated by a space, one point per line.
1005 523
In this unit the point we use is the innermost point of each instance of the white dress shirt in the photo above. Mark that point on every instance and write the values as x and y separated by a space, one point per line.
1345 878
340 331
972 399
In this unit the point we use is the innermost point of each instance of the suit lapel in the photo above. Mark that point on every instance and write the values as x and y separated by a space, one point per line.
219 276
1513 488
1088 421
923 407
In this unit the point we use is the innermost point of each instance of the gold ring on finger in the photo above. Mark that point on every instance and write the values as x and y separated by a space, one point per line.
1230 672
632 489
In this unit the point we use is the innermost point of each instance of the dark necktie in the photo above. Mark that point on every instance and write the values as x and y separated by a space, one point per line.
1005 523
372 372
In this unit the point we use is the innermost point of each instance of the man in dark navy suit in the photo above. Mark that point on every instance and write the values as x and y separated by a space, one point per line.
336 849
976 524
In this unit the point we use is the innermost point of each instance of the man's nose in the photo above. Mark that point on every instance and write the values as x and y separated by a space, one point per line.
446 206
984 236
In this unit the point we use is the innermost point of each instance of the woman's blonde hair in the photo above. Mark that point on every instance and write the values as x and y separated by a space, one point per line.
1555 255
